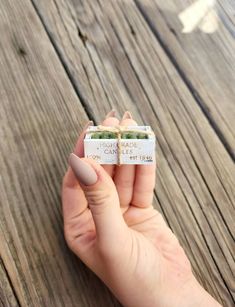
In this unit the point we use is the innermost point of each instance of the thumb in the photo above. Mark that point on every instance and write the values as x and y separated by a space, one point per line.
102 197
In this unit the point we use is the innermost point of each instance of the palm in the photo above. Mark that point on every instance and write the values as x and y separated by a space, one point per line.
147 227
153 228
164 248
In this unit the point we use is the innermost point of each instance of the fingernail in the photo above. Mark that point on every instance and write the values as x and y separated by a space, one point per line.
112 113
127 115
90 123
82 170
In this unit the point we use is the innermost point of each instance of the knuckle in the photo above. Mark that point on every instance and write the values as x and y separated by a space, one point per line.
124 183
98 197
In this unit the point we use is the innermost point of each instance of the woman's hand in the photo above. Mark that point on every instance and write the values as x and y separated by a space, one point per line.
111 225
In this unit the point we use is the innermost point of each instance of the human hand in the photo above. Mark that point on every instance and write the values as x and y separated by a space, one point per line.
111 225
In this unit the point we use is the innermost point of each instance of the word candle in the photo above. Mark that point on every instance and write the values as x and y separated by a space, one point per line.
120 144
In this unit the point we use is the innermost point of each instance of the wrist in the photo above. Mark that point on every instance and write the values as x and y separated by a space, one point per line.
194 295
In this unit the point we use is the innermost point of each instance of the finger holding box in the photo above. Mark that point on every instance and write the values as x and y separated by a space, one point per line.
144 185
111 121
125 174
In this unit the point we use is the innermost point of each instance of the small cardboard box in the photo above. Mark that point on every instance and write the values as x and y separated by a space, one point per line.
123 150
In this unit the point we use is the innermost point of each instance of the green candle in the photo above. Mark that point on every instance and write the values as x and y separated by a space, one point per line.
142 136
124 135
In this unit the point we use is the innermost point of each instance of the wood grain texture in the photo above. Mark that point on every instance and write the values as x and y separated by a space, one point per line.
40 118
226 11
110 58
108 49
206 62
7 296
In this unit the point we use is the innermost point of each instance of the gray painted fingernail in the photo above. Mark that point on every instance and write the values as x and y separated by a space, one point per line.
112 113
90 123
127 115
82 170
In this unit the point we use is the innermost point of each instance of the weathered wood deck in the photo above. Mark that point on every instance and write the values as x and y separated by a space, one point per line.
64 61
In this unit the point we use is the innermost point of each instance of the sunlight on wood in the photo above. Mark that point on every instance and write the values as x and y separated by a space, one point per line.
201 14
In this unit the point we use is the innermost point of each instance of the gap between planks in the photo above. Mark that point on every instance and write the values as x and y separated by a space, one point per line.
8 295
64 62
198 98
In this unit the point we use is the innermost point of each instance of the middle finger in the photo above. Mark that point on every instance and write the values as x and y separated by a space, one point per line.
125 174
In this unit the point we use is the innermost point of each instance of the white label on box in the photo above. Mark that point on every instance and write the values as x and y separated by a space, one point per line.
133 151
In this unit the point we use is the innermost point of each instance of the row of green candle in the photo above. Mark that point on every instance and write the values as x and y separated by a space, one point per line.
124 135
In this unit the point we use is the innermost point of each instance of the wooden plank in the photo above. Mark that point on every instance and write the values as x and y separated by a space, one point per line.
205 61
119 55
226 11
7 296
40 117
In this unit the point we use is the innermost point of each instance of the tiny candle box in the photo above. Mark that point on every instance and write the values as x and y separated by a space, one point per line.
137 147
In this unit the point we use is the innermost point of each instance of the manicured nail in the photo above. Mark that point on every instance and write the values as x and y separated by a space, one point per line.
90 123
127 115
112 113
82 170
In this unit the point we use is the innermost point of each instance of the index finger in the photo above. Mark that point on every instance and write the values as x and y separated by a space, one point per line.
110 120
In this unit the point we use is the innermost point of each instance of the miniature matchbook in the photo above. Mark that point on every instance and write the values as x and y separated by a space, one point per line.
120 144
